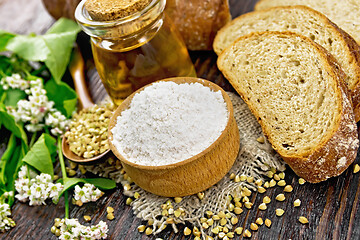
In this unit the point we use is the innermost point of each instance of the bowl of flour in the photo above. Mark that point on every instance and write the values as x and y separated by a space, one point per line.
175 137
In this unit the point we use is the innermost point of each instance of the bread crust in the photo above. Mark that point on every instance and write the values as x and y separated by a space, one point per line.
353 49
198 21
336 151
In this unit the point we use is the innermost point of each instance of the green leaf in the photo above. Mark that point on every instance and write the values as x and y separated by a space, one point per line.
5 158
64 25
8 121
53 48
5 37
32 48
59 40
101 183
64 97
13 96
40 154
60 46
4 63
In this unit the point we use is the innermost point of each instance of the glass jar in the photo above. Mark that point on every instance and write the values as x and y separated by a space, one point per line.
135 50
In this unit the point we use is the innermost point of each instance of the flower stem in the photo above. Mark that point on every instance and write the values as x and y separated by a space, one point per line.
66 196
63 171
61 159
33 138
3 97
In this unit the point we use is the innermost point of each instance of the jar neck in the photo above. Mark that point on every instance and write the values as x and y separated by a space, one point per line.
121 28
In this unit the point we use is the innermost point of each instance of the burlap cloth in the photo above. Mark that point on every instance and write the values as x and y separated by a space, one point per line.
254 159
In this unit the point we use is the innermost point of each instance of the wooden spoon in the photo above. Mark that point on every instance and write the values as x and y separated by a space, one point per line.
77 68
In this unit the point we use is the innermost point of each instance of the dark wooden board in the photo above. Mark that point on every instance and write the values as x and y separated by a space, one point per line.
332 207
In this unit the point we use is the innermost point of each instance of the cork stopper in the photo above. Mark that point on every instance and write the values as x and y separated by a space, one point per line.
108 10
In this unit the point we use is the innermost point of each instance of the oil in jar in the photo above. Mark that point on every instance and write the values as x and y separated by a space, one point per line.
127 66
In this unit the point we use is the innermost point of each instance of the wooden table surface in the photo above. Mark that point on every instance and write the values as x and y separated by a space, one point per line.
332 207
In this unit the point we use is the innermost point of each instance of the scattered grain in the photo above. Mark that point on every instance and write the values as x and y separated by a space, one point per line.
238 210
303 220
128 201
250 179
262 206
234 220
230 234
280 197
243 178
259 221
288 188
148 231
260 139
209 214
301 181
238 230
356 168
110 216
215 230
221 235
261 189
297 203
141 228
279 212
201 195
87 218
258 182
281 183
268 223
248 205
272 183
247 233
216 217
266 199
276 177
254 226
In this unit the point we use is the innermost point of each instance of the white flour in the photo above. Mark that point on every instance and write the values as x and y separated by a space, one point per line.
168 123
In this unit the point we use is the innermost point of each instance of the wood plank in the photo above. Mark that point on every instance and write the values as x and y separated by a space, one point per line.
332 207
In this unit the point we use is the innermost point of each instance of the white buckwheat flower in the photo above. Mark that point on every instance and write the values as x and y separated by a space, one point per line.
15 82
88 193
36 111
5 221
36 189
72 229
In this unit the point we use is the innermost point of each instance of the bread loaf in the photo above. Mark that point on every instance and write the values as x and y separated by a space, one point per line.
198 21
305 21
296 91
345 13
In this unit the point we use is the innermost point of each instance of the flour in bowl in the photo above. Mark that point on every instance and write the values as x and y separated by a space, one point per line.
169 122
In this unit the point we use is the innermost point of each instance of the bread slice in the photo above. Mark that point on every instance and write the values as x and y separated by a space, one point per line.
305 21
296 91
345 13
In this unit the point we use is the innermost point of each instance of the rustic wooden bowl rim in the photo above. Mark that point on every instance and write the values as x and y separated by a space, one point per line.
178 80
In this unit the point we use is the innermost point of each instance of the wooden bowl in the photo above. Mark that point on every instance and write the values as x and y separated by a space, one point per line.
194 174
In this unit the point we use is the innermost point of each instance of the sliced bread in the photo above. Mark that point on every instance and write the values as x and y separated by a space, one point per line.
296 91
305 21
345 13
